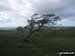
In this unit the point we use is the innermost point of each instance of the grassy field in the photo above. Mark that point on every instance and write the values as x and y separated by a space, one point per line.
44 43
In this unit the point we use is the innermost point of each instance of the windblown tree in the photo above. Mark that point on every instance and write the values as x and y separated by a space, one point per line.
38 21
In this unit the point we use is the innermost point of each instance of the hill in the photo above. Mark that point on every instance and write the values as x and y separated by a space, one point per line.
44 43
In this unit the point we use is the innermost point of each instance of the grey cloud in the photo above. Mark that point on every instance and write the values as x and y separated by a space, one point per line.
64 8
4 6
48 7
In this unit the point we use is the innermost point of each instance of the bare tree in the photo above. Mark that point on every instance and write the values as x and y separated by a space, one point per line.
39 21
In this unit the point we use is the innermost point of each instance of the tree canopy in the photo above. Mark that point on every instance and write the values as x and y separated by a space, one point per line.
40 21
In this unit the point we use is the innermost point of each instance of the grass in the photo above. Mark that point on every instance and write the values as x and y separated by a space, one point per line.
12 45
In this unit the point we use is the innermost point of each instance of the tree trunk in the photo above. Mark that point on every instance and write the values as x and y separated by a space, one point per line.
31 32
27 38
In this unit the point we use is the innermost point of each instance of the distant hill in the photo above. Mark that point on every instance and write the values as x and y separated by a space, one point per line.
7 28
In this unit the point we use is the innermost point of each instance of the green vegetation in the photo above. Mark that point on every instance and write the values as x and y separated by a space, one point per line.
44 43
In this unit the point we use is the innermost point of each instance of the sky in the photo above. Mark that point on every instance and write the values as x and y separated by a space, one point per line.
14 13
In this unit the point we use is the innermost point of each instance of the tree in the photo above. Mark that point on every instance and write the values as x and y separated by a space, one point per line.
39 21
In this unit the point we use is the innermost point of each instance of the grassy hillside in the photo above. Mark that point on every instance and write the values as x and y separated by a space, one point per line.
44 43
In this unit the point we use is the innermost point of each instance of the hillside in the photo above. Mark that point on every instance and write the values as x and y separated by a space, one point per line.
44 43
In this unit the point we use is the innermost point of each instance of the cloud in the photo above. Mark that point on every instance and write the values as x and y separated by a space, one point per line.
67 21
4 6
18 11
53 6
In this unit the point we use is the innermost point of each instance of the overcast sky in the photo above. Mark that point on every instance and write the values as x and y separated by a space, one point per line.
16 12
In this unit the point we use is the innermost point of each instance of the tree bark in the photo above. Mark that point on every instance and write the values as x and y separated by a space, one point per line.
31 32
